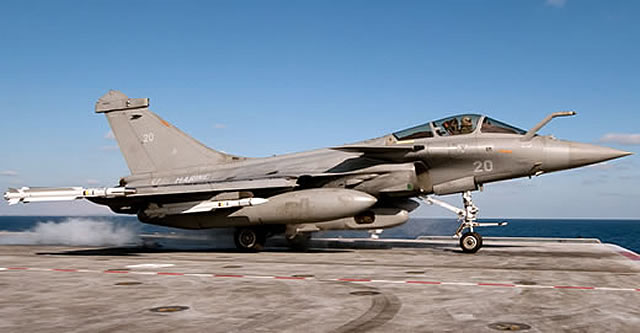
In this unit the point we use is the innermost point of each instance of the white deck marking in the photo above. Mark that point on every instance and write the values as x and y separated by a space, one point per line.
351 280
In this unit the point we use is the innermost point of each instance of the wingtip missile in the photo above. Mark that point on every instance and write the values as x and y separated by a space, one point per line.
26 194
14 195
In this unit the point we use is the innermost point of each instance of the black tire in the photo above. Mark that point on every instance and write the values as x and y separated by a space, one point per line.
470 242
250 239
299 242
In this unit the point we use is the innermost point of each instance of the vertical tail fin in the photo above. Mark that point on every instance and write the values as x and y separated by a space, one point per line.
149 143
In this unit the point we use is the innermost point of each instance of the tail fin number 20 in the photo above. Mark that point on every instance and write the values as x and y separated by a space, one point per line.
147 137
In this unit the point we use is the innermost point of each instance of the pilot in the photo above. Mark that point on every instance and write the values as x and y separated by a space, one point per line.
466 126
453 127
447 128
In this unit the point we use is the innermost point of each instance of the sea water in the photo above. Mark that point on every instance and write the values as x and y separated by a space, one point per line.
103 230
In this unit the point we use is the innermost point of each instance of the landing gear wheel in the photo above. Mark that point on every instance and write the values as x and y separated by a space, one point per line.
249 239
470 242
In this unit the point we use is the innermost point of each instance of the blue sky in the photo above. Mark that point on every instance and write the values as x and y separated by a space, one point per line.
257 78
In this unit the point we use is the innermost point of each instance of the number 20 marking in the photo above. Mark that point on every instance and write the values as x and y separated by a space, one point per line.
147 137
483 166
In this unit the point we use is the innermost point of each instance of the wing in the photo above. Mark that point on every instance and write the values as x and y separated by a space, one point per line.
375 150
179 198
215 187
396 153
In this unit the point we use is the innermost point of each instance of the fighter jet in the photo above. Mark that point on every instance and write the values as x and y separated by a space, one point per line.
178 182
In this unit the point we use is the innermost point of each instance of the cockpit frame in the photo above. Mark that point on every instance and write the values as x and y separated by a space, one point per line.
462 124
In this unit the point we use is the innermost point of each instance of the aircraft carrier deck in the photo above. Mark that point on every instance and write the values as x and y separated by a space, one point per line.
341 285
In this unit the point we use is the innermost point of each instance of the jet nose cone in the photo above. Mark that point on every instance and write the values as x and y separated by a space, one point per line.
581 154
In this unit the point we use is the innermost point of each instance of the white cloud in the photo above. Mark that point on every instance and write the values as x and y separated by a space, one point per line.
556 3
8 173
219 126
621 139
110 136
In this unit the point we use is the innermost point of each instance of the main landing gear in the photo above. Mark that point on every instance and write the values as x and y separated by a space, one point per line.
253 239
470 241
250 239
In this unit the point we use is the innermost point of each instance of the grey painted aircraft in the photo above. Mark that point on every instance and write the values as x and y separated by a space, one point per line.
178 182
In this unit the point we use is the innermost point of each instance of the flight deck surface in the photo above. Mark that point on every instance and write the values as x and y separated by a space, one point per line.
341 285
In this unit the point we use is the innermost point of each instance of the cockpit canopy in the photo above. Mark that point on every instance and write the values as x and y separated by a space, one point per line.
494 126
462 124
457 125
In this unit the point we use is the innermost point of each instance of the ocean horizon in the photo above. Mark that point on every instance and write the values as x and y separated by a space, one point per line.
118 230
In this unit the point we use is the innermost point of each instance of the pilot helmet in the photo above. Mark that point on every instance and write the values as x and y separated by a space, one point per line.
466 121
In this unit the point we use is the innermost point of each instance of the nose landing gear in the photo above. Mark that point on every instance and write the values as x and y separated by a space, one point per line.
470 241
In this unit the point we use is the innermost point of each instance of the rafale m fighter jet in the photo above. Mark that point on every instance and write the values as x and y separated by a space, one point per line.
176 181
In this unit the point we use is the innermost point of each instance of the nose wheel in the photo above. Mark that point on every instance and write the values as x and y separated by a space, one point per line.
470 241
